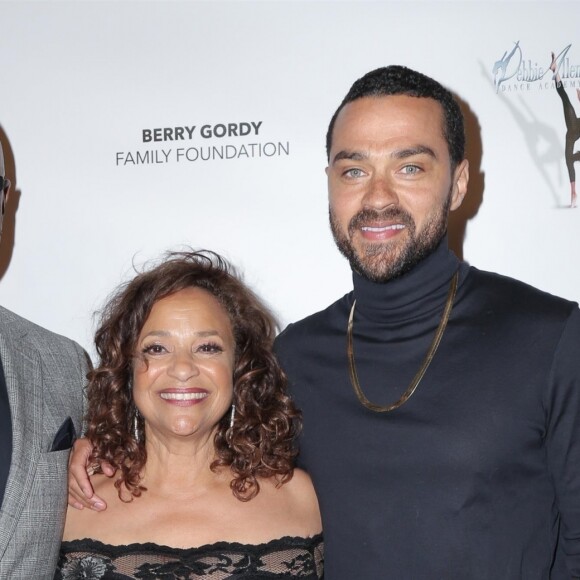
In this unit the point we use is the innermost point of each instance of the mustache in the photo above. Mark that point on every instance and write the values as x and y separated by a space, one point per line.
365 216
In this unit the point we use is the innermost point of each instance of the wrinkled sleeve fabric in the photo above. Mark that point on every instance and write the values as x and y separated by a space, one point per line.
563 438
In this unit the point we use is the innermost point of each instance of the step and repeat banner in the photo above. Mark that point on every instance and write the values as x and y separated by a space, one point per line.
131 128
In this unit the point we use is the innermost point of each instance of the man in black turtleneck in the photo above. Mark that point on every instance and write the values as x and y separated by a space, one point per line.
444 443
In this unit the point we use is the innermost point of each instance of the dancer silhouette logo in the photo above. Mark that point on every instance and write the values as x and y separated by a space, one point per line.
514 71
507 66
555 74
572 126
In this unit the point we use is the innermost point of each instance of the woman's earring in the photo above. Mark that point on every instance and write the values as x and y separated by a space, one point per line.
136 425
230 431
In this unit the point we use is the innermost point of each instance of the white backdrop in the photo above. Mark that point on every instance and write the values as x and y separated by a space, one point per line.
82 81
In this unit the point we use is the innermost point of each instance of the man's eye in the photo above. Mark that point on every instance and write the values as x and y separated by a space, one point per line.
411 169
354 172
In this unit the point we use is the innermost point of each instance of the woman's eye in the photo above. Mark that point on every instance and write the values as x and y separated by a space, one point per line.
210 348
154 349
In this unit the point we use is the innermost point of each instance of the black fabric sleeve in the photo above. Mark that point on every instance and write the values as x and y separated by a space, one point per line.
563 438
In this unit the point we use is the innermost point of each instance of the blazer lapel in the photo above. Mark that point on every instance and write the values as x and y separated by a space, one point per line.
24 384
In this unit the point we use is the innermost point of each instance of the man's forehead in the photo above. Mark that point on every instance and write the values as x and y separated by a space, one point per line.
390 105
384 117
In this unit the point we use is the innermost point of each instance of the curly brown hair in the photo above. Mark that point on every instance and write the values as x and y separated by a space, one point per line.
262 441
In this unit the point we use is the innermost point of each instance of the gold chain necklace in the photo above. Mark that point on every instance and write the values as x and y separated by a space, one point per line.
424 366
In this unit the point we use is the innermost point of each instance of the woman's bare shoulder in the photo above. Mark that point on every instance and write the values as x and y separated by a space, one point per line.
299 500
79 523
301 484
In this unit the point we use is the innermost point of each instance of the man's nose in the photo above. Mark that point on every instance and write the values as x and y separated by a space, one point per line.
380 194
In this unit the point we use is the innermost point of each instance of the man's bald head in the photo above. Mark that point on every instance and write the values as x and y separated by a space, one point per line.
2 168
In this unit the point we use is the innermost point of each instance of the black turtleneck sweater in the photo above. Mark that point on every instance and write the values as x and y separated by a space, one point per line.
477 476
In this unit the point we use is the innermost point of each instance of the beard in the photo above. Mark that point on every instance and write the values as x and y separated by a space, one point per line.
381 262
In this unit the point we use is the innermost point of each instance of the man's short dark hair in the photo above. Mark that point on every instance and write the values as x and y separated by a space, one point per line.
400 80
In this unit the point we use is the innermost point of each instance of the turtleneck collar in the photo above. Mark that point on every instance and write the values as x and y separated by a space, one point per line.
416 293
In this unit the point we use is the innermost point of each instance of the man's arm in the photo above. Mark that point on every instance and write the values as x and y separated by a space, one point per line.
563 438
80 490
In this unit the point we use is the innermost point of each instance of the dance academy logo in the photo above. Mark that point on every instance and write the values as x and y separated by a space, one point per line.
199 143
515 76
515 72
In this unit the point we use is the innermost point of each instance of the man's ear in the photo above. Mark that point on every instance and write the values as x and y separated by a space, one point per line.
5 195
460 181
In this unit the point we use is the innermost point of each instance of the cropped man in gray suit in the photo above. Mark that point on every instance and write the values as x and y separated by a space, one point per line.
41 406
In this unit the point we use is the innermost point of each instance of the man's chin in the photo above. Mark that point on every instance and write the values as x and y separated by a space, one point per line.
378 264
364 248
375 261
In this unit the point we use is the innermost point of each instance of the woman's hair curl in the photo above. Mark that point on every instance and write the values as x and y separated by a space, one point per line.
262 441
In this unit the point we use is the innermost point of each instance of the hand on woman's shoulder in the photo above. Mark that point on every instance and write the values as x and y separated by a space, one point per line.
84 523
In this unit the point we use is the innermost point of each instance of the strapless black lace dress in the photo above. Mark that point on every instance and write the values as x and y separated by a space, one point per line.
288 557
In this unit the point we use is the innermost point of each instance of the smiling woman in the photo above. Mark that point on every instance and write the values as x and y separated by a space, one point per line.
183 370
189 406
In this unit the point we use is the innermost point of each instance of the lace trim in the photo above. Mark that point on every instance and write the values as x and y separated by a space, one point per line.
114 550
287 557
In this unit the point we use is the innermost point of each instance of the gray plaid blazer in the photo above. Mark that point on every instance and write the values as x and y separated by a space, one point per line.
45 374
